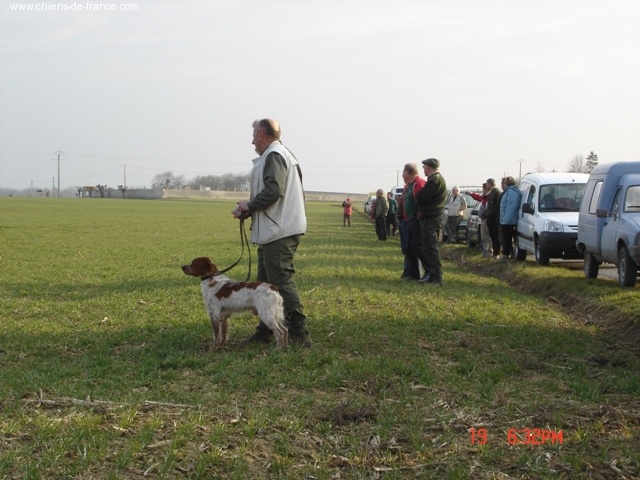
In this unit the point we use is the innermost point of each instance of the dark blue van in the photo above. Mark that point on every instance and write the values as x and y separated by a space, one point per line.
609 220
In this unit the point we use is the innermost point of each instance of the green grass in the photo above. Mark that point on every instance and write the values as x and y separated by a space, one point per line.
106 371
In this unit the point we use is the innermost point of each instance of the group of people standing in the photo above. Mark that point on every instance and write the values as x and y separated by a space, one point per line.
277 209
425 208
417 215
420 210
498 212
384 215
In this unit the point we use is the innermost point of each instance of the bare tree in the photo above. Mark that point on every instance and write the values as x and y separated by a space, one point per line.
168 180
577 165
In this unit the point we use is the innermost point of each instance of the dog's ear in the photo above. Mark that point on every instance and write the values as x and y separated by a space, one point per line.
211 267
204 266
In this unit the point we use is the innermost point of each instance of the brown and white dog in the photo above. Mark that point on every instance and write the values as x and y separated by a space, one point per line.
223 297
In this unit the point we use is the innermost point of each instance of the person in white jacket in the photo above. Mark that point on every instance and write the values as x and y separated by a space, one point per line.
453 211
277 209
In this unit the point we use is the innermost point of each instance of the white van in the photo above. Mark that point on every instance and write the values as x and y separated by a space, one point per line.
548 219
397 191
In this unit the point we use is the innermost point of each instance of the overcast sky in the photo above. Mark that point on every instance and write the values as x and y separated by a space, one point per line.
359 87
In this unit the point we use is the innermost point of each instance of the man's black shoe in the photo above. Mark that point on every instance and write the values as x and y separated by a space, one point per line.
409 279
301 339
259 337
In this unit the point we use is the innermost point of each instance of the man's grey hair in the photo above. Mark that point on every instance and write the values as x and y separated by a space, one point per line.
269 127
411 168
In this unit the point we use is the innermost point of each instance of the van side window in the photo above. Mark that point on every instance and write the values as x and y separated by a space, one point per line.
615 205
632 200
532 192
593 204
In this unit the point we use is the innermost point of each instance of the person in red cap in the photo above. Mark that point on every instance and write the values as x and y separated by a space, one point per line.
346 219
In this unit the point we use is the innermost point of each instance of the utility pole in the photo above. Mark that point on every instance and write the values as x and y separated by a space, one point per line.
520 177
59 152
125 176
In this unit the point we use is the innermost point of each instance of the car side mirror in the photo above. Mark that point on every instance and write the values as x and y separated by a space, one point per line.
602 213
527 208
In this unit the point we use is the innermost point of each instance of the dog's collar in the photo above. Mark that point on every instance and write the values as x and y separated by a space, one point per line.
208 277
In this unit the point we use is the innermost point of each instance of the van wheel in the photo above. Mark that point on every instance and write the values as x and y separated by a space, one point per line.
627 269
591 265
541 259
521 254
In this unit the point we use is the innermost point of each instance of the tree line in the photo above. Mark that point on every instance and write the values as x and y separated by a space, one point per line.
228 182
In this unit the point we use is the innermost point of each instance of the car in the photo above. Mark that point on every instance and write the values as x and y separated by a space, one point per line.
609 221
368 205
472 205
474 230
548 220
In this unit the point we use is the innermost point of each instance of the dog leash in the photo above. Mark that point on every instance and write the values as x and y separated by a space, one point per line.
243 240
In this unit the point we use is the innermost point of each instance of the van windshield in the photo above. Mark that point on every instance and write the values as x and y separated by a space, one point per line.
564 197
632 200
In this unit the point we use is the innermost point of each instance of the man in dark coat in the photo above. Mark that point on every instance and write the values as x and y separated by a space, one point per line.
431 200
492 215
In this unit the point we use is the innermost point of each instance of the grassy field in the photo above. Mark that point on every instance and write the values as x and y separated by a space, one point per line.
509 371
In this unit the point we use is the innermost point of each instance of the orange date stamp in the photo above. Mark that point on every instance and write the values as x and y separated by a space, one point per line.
520 436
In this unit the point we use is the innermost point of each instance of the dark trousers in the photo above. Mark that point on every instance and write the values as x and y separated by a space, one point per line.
275 265
494 233
415 254
507 238
392 224
381 227
403 225
429 228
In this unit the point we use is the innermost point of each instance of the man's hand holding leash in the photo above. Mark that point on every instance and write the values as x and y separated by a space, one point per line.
242 210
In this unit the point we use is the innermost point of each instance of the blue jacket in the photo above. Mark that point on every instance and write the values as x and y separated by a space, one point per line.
510 206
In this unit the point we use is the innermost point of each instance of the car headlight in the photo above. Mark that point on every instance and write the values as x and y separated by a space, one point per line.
550 226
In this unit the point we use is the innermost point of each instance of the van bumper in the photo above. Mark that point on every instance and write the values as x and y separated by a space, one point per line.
559 245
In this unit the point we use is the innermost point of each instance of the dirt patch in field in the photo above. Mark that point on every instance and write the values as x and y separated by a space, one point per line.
621 330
